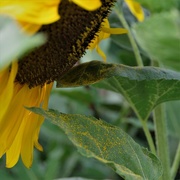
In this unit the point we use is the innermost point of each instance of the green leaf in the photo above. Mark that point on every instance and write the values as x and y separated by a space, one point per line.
160 5
173 115
107 143
144 88
14 43
159 35
85 74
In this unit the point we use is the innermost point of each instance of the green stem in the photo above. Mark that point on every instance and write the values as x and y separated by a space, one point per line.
140 64
161 140
148 137
131 38
176 163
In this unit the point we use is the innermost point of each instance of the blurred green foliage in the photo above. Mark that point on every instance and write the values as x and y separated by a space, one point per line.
10 34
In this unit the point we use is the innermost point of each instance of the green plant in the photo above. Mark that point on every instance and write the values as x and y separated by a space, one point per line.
145 89
154 42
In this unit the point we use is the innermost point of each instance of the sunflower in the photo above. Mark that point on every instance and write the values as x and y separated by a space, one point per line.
28 82
19 128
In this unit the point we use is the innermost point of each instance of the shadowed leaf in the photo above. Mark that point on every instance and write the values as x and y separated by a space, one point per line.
144 88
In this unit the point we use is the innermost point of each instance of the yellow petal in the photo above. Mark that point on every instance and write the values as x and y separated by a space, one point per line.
89 5
39 12
36 136
19 127
114 30
13 153
100 35
101 53
28 139
136 9
12 119
33 124
6 87
104 33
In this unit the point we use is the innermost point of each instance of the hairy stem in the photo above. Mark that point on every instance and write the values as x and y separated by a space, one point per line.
140 64
161 140
148 137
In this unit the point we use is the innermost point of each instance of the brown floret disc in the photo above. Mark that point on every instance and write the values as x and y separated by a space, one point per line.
67 41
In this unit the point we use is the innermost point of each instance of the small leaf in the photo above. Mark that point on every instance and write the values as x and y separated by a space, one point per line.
107 143
144 88
85 74
14 43
159 36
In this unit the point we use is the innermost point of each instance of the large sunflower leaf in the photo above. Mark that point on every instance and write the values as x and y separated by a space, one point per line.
144 88
107 143
163 42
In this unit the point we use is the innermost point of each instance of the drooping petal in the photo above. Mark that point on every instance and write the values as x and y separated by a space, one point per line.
101 53
89 5
104 33
13 153
100 35
33 124
136 9
6 87
19 127
11 121
28 139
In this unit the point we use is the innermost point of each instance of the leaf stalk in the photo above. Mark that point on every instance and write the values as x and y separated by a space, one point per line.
148 137
131 37
176 163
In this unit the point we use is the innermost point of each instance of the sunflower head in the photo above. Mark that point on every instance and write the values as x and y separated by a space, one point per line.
69 29
68 38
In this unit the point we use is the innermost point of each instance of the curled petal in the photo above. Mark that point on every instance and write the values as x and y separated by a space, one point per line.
104 33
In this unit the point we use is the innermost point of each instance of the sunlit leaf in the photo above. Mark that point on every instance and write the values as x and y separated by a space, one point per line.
143 88
107 143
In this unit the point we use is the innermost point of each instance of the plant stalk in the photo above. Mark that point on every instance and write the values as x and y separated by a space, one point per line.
131 38
161 140
148 137
176 163
140 64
